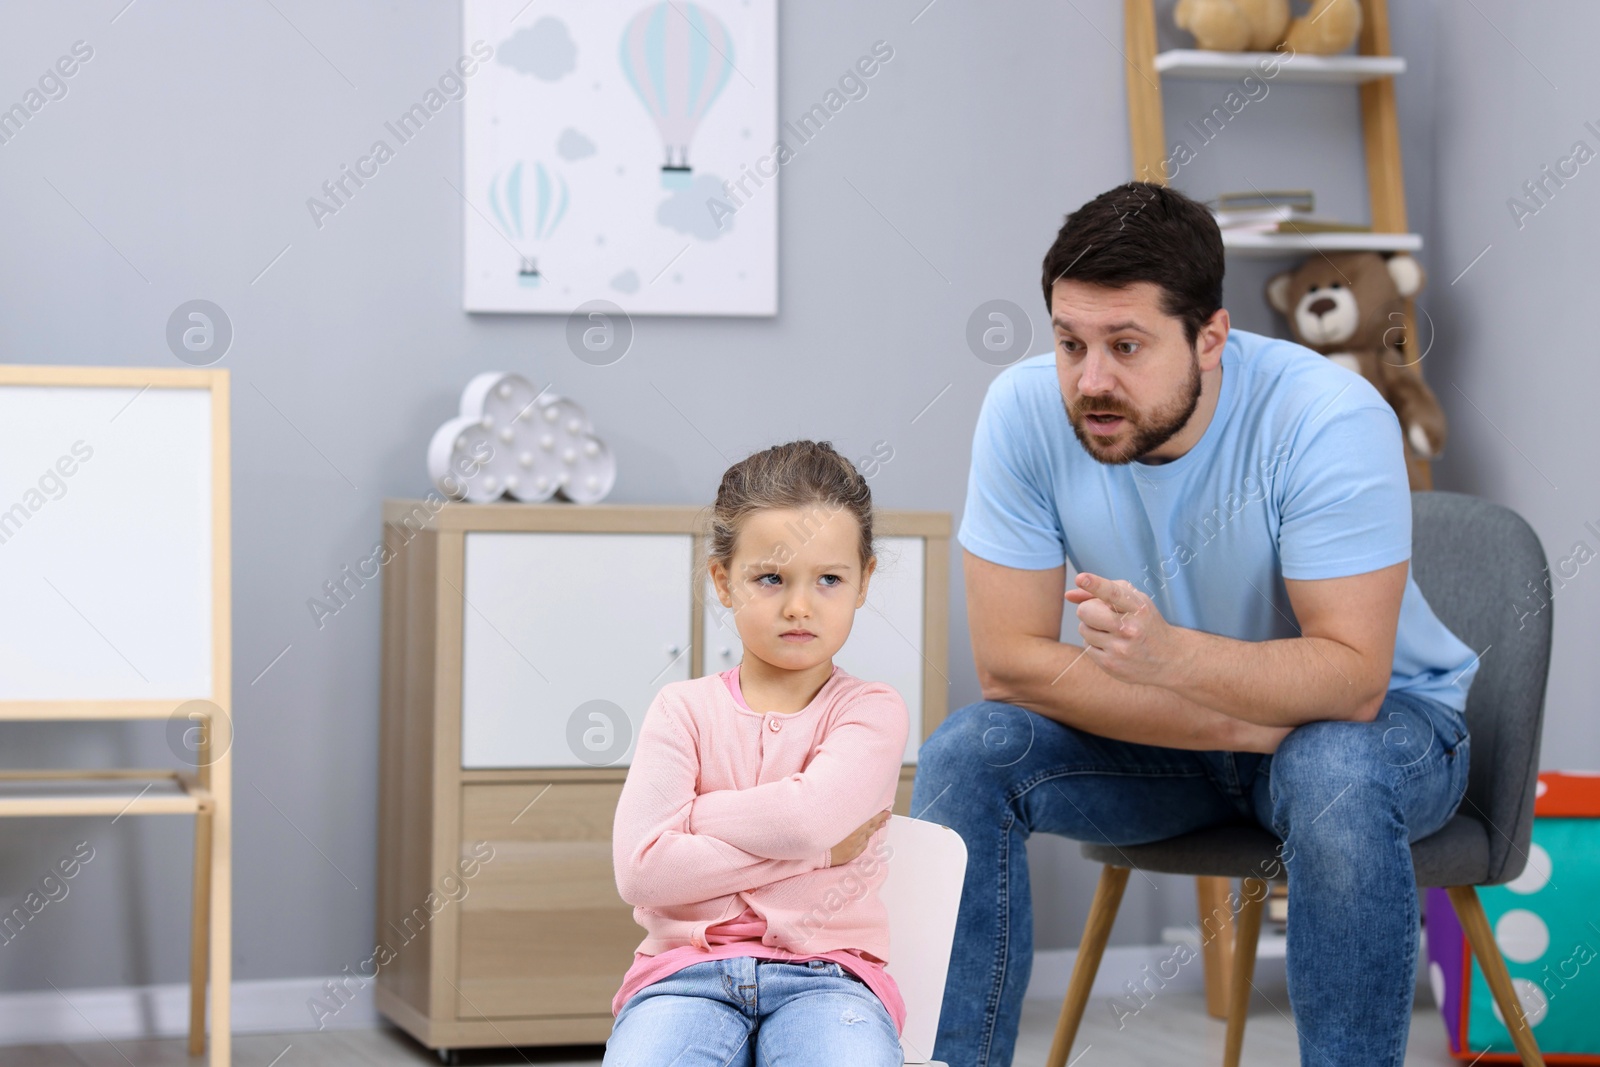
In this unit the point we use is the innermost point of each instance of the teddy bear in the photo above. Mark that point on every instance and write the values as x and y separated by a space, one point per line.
1350 307
1329 27
1234 25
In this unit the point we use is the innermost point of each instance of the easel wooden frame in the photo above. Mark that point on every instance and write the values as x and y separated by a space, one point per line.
207 792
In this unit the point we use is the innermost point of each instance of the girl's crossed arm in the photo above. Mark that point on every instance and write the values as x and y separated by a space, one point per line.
809 812
659 861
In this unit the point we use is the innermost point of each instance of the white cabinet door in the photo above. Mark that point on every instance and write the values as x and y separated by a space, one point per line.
566 638
885 642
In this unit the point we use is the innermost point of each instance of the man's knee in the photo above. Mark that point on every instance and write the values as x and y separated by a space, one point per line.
1335 800
972 738
1335 754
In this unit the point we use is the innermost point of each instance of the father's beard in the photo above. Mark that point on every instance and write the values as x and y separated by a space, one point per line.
1139 434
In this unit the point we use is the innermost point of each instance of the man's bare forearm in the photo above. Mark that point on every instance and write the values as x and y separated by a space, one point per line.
1059 682
1284 682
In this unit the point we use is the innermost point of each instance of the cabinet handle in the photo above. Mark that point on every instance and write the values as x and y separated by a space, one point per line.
673 650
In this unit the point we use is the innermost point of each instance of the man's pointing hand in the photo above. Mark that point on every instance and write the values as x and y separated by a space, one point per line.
1124 633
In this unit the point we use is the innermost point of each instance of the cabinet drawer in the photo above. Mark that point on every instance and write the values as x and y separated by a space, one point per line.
543 931
553 621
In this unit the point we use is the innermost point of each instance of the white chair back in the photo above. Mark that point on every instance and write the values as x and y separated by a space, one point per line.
927 866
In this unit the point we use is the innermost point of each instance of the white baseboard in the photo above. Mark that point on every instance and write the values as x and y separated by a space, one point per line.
276 1005
1142 965
1152 968
283 1005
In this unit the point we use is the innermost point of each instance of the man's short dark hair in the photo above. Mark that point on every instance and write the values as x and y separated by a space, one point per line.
1144 232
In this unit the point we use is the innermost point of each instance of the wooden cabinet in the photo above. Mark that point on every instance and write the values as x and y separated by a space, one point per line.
556 620
557 854
505 628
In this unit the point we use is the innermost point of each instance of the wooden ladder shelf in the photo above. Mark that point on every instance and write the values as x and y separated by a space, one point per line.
1386 196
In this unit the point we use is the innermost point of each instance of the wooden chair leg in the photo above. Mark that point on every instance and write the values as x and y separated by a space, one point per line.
1248 933
199 930
1102 914
1464 898
1216 941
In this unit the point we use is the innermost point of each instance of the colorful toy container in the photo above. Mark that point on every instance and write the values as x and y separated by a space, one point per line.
1547 924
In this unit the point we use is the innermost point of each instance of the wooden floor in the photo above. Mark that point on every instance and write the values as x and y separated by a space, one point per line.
1173 1029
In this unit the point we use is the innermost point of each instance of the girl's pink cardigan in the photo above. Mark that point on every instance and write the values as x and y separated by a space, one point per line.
725 807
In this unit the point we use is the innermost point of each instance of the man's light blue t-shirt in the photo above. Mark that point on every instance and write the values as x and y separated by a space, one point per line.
1300 474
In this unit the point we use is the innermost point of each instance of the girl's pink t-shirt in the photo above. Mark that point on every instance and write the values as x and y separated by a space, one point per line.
741 936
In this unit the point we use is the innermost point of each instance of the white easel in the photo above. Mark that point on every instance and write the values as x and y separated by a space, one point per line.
115 561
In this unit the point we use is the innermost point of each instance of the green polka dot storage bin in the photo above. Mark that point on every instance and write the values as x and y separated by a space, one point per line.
1547 924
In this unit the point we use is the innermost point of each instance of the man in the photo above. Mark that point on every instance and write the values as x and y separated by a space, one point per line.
1251 645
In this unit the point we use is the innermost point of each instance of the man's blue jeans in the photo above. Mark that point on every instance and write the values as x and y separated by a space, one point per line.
750 1012
1346 798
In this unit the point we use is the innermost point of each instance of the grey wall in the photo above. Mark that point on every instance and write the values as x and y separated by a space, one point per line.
1516 348
178 166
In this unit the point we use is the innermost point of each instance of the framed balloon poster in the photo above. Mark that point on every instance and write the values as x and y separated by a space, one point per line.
624 152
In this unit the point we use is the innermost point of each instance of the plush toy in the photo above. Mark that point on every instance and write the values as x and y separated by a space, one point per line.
1349 306
1327 29
1233 25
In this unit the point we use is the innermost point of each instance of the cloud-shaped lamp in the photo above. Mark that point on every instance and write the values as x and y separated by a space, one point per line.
512 438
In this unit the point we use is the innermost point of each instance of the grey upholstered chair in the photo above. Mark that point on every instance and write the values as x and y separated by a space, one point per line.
1473 561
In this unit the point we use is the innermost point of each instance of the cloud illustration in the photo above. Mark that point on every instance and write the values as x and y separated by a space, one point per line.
545 50
574 145
688 210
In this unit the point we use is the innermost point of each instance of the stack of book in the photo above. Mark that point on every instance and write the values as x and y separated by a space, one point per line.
1276 211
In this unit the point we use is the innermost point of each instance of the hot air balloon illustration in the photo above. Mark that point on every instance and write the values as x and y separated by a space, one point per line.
677 56
528 214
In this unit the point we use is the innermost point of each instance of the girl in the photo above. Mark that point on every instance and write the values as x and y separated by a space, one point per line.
742 834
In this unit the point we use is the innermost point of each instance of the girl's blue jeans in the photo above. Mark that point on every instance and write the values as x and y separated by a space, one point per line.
1346 799
749 1012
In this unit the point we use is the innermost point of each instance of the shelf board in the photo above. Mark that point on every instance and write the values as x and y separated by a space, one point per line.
1230 66
1263 245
